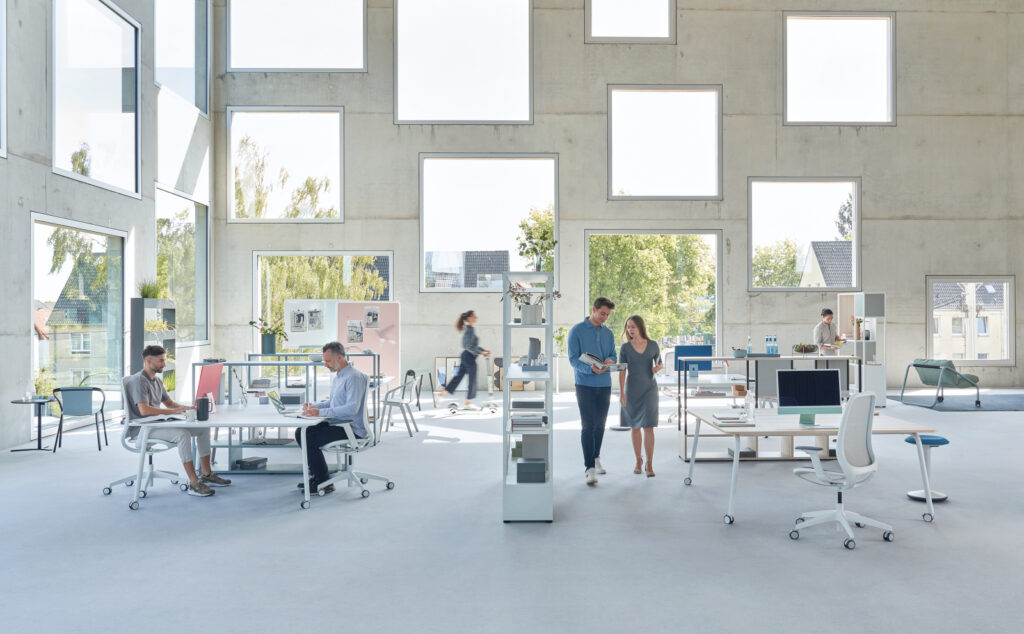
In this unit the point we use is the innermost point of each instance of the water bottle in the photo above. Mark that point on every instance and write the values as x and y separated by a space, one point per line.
748 405
750 348
767 344
774 349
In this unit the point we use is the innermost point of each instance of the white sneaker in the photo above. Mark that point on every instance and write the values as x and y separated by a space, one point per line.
591 476
597 466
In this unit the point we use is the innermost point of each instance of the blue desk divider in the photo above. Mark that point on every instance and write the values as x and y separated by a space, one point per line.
694 351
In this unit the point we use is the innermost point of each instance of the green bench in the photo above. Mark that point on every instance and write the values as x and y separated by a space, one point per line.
941 373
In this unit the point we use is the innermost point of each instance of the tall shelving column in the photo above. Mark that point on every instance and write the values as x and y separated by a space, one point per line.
526 501
870 309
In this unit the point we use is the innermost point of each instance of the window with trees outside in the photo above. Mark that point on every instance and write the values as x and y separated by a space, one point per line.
182 241
623 21
77 309
95 94
181 36
839 68
286 165
980 311
320 35
483 215
670 279
665 142
463 61
804 233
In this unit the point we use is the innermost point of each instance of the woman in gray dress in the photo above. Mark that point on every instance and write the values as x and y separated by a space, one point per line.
638 390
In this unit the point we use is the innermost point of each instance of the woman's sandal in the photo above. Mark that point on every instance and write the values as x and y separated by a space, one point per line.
639 463
650 470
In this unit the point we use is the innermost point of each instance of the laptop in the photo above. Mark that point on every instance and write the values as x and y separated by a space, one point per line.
290 412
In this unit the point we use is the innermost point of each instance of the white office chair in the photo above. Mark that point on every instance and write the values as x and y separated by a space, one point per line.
857 463
400 397
345 450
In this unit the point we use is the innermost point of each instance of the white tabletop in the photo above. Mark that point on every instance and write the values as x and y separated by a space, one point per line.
768 422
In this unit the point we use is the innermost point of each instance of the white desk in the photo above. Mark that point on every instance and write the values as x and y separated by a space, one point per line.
770 423
251 417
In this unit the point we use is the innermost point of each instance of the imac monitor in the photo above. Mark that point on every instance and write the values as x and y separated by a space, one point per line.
809 392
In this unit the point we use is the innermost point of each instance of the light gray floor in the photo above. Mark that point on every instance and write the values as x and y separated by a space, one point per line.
631 554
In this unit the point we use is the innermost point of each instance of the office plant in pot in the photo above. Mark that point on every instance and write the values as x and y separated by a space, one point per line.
269 332
530 304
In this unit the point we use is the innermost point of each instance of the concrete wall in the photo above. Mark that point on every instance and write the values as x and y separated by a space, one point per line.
27 185
941 190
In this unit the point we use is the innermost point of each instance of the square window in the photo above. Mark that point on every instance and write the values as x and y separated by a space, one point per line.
321 35
839 68
463 61
958 327
286 165
665 142
625 21
181 35
95 94
483 215
804 233
936 331
981 313
982 326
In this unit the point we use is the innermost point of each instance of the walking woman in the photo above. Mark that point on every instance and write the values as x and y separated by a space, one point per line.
467 364
638 389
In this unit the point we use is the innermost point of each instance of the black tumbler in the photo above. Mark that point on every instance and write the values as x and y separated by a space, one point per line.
202 408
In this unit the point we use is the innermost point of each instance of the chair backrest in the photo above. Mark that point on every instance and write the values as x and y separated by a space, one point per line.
854 452
768 377
930 375
78 401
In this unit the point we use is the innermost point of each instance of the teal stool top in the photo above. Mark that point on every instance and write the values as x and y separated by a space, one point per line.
928 440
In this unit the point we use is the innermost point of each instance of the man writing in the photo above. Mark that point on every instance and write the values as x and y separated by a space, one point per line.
347 403
145 395
593 385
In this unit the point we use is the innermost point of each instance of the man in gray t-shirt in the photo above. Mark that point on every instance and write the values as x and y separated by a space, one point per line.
146 397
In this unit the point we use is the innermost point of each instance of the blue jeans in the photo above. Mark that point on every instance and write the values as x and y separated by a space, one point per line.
593 404
467 368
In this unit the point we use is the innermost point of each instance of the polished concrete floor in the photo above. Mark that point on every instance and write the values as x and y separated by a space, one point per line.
630 554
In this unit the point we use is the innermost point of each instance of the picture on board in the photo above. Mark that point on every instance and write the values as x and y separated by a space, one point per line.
298 321
315 319
372 317
355 331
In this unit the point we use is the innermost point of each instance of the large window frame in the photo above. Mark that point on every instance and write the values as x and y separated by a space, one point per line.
229 114
588 38
719 235
1010 327
249 69
699 88
856 230
137 192
891 16
206 251
530 96
204 110
483 155
3 78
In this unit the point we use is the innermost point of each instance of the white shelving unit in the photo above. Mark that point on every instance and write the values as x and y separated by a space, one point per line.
527 501
868 340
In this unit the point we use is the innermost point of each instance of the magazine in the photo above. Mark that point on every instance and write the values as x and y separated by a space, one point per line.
599 364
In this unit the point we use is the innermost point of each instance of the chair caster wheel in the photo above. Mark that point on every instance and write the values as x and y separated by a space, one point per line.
174 482
365 493
129 483
495 411
321 492
687 481
927 517
799 520
850 544
363 480
107 491
142 493
453 410
183 487
977 403
888 536
304 504
133 505
728 519
794 534
858 525
390 485
941 398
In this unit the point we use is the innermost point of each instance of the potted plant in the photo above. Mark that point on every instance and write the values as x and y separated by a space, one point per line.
562 339
269 332
530 305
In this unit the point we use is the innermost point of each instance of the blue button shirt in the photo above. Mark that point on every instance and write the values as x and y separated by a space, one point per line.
348 400
598 341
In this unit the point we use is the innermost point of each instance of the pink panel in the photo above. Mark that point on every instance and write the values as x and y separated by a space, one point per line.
378 330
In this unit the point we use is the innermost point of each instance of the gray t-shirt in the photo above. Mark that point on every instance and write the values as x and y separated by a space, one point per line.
825 334
139 388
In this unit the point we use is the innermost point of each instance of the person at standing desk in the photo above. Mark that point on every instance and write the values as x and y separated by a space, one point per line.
145 396
347 402
825 334
593 385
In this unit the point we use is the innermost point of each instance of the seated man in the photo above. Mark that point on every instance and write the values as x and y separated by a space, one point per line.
145 396
347 403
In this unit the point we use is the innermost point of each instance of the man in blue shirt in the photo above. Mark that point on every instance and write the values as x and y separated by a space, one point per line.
593 386
347 403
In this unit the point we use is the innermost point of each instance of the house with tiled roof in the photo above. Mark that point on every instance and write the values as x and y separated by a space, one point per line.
829 264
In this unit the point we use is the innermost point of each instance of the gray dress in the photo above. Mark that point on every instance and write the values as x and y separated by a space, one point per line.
641 408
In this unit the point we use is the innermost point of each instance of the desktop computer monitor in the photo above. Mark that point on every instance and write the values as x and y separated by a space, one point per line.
534 352
809 392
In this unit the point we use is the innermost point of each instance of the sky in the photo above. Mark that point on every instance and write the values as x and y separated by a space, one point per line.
310 34
630 18
800 210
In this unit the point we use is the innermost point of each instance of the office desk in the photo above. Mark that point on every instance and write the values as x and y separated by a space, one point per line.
39 402
770 423
251 417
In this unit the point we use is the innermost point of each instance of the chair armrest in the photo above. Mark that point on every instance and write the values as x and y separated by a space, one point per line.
815 454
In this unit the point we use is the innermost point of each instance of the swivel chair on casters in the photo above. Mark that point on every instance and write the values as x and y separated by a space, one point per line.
857 465
346 449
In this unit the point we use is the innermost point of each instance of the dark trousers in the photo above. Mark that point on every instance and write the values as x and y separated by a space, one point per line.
317 436
593 404
467 368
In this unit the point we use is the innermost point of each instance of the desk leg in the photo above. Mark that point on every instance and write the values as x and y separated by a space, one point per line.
39 431
929 515
143 441
729 518
688 480
305 469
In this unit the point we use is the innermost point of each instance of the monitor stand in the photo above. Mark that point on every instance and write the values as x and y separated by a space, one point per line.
807 419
